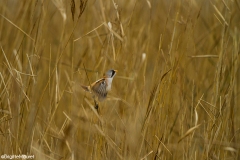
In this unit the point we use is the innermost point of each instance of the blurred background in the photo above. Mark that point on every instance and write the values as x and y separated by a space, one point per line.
175 95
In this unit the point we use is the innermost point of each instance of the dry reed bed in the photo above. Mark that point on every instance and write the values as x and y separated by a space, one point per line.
175 95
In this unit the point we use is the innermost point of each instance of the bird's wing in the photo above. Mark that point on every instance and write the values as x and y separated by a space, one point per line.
99 89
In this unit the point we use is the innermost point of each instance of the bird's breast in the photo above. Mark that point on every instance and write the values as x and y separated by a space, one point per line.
109 84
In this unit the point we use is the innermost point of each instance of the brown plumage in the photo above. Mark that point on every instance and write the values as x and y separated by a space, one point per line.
101 87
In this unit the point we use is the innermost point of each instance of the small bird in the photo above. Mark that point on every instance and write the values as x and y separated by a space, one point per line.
101 87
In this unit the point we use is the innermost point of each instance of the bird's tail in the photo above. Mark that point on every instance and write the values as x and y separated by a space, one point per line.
86 88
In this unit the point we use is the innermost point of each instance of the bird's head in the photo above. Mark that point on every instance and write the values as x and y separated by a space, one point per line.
110 73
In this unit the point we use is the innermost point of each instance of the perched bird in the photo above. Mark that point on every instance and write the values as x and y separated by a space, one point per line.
101 87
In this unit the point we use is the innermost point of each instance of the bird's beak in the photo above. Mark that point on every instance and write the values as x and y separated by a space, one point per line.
116 70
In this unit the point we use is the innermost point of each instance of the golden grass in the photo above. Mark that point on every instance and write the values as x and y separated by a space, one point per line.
175 95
